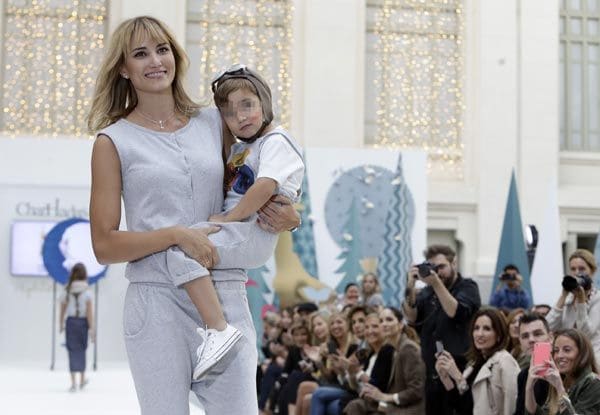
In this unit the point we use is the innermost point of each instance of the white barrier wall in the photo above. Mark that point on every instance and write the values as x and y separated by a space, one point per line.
47 179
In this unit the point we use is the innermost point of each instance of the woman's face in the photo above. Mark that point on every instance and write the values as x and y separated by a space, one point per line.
338 327
150 66
513 327
352 295
358 324
300 336
578 266
484 335
373 331
286 319
565 353
389 323
369 284
319 327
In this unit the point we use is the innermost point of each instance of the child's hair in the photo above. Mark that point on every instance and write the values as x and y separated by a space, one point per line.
246 79
78 273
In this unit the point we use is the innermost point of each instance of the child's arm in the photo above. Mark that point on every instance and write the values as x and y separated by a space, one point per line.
257 195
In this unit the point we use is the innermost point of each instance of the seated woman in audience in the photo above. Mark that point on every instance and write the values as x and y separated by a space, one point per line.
324 360
404 392
579 302
356 319
300 334
514 344
317 322
572 374
494 386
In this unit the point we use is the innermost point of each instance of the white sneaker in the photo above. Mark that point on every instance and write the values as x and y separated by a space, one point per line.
215 346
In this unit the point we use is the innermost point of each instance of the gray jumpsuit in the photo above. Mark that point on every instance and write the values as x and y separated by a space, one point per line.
176 179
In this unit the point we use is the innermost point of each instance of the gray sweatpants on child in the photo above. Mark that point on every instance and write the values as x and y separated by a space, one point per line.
241 245
161 321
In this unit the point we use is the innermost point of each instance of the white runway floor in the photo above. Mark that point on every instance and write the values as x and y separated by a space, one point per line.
29 389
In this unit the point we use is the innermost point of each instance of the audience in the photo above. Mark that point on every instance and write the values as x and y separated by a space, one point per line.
514 344
371 292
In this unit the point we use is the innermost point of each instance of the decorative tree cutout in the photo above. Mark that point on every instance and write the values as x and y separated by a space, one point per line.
351 249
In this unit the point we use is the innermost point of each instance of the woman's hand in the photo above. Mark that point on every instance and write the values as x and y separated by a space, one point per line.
353 365
218 218
195 243
312 352
552 376
446 366
278 215
580 295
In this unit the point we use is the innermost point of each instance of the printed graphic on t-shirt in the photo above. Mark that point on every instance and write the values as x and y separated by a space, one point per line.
241 176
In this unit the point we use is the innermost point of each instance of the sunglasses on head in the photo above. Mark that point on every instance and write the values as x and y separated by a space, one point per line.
237 69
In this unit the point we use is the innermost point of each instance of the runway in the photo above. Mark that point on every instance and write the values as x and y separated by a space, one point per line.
33 389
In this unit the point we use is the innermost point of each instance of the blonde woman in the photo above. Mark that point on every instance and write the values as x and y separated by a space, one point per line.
163 154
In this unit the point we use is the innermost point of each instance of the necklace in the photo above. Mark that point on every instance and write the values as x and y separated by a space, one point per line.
161 123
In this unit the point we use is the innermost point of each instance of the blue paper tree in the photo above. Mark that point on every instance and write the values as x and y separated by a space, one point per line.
351 249
396 255
304 238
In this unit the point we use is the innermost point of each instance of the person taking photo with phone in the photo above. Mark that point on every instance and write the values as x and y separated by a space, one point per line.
572 373
441 312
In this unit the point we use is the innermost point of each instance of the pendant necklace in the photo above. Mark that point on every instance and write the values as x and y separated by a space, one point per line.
161 123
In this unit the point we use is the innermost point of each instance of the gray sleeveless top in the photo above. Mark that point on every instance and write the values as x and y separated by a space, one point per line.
170 178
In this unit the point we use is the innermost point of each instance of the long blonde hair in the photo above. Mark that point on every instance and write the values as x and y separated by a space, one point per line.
114 96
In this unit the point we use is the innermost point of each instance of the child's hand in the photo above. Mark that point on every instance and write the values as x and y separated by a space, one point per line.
218 218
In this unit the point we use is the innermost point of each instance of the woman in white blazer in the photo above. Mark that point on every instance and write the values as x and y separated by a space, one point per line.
492 372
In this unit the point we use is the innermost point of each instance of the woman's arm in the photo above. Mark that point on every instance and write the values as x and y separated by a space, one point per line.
509 374
61 318
112 245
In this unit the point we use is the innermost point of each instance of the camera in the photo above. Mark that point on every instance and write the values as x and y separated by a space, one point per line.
508 277
425 269
570 283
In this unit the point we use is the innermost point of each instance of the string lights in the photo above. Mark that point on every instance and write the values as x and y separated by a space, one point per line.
257 33
50 55
417 78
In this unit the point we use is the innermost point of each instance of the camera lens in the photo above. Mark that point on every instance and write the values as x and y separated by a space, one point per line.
570 283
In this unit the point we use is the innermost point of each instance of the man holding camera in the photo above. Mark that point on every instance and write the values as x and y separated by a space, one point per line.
509 294
441 312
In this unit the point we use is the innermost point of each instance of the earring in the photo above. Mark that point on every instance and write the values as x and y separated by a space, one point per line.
124 75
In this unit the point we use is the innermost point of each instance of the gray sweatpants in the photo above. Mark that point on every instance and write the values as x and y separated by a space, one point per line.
160 335
241 245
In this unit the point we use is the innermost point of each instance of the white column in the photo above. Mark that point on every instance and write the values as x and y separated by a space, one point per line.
330 53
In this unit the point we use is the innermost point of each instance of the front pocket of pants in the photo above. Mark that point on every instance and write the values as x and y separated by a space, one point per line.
136 312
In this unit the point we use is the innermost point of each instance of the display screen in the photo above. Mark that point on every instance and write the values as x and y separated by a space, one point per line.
27 239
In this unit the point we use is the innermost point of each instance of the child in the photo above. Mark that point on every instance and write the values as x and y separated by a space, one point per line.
267 161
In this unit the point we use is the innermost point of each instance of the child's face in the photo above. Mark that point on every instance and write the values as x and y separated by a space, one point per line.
243 113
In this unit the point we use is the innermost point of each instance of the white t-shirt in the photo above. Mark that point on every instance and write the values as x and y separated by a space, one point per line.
76 303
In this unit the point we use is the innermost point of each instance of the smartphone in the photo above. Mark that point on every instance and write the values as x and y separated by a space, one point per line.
439 347
331 348
541 354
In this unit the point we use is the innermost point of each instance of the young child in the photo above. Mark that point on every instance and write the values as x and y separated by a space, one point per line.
266 161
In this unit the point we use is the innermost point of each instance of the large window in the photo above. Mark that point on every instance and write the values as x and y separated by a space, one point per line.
414 78
50 49
255 32
579 75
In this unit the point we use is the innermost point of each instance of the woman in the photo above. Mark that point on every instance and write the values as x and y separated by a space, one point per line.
514 344
572 374
165 156
371 291
579 306
404 393
376 369
327 361
494 388
76 305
